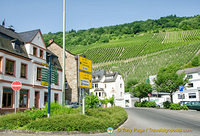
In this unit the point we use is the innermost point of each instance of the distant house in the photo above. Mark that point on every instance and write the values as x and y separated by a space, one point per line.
71 63
191 91
107 85
22 56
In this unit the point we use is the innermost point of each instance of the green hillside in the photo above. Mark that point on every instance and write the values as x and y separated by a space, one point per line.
141 56
138 49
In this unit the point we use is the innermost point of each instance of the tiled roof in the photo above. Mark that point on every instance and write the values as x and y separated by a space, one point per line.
11 34
29 35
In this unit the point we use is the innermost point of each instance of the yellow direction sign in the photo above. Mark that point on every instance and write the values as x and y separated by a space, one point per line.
85 64
85 80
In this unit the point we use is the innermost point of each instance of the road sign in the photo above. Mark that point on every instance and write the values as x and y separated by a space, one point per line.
85 64
16 85
149 94
181 88
85 80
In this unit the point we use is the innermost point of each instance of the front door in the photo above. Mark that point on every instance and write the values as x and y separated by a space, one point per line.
37 98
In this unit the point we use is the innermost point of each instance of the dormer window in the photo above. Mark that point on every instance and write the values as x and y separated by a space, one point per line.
34 51
16 46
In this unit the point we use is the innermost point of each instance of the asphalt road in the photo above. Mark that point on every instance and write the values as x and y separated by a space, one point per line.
148 122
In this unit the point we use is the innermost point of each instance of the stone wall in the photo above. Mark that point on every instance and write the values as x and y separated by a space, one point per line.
70 70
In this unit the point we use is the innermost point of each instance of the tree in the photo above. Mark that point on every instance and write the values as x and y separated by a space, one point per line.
142 90
130 85
169 81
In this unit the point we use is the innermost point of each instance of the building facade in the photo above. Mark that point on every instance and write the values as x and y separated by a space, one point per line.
107 85
22 56
71 63
191 91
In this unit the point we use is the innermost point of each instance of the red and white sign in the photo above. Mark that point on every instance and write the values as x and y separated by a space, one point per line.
16 85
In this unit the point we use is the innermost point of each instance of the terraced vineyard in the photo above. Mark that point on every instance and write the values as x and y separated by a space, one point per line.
143 55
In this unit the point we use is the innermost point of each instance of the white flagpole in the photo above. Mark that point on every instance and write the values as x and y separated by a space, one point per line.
63 76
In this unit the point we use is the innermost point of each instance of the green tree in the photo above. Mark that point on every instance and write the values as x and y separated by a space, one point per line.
169 81
130 85
142 90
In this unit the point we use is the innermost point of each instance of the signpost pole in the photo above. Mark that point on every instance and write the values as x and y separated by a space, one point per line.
83 101
15 101
49 88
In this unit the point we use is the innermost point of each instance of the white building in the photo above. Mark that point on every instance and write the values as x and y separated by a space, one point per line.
22 56
158 97
107 85
191 92
130 100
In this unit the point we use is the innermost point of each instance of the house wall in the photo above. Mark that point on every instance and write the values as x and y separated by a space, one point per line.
111 89
70 71
30 83
187 90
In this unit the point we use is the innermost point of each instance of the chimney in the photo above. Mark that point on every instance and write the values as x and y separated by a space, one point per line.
50 41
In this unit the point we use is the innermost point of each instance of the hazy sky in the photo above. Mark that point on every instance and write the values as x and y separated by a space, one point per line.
46 15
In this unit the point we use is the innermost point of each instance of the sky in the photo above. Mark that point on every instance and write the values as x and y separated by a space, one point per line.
46 15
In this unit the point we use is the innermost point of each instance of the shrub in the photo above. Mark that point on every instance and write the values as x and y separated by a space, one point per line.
184 107
58 109
137 104
175 106
13 121
166 104
97 119
151 104
91 101
144 104
33 114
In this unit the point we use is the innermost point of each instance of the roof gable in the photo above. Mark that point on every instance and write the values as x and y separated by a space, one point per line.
38 40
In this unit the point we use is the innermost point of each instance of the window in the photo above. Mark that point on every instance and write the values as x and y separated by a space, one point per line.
45 98
41 53
180 96
23 70
7 98
55 98
34 51
99 94
120 85
96 85
105 85
189 76
192 95
1 64
10 65
39 74
190 85
121 94
92 85
23 100
96 93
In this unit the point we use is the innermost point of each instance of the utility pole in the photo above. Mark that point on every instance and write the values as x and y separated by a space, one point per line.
63 75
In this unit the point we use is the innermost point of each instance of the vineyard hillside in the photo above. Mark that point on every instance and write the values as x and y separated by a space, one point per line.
141 56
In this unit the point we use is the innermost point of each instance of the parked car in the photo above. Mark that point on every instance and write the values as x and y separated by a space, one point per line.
195 105
74 105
